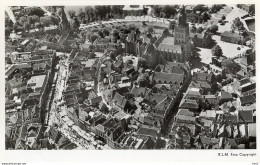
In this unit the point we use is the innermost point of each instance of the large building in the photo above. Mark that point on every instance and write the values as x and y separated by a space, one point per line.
231 37
169 47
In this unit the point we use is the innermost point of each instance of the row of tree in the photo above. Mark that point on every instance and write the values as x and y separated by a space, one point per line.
164 11
35 21
96 13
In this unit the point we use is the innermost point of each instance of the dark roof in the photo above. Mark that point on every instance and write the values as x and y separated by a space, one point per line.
16 66
168 78
187 103
120 100
140 91
249 87
225 95
157 97
185 112
148 131
246 116
201 76
230 34
247 99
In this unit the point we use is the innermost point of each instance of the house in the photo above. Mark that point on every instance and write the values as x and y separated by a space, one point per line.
167 78
193 94
224 97
113 134
146 131
247 100
192 105
53 135
202 76
185 119
252 130
212 100
121 102
230 37
246 116
102 129
140 92
51 30
248 90
208 114
202 40
18 68
245 7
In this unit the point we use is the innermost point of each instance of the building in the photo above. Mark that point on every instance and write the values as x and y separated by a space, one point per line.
169 47
245 7
231 37
203 40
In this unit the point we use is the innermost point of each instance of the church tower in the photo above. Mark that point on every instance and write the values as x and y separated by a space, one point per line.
181 30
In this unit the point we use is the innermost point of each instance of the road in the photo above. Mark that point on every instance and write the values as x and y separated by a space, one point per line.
58 114
169 119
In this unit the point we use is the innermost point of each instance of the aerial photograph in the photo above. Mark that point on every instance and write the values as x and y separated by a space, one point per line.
130 77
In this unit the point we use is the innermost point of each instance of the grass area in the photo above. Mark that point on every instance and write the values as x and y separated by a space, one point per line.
229 50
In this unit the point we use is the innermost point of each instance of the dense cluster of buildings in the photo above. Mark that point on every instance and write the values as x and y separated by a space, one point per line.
28 81
129 99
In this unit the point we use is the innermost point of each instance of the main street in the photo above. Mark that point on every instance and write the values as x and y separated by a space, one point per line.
58 114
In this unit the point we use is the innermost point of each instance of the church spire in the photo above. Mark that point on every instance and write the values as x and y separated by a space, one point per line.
181 17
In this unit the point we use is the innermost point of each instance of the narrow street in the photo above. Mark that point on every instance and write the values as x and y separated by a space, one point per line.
169 119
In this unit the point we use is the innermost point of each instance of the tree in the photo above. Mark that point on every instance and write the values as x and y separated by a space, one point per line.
54 20
72 14
142 62
223 17
75 23
36 11
105 31
252 10
217 51
46 21
117 10
26 26
157 10
169 11
193 29
231 66
150 29
200 30
172 25
216 8
214 29
128 95
81 15
100 34
22 20
131 26
200 7
143 80
93 37
237 24
7 32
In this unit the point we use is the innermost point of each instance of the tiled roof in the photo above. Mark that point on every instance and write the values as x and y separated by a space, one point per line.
247 99
170 48
168 78
120 100
246 116
140 91
185 112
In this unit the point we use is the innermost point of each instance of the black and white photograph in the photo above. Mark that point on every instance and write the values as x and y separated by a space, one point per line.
130 77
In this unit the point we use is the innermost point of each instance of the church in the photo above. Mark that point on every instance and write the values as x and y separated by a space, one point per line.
170 47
